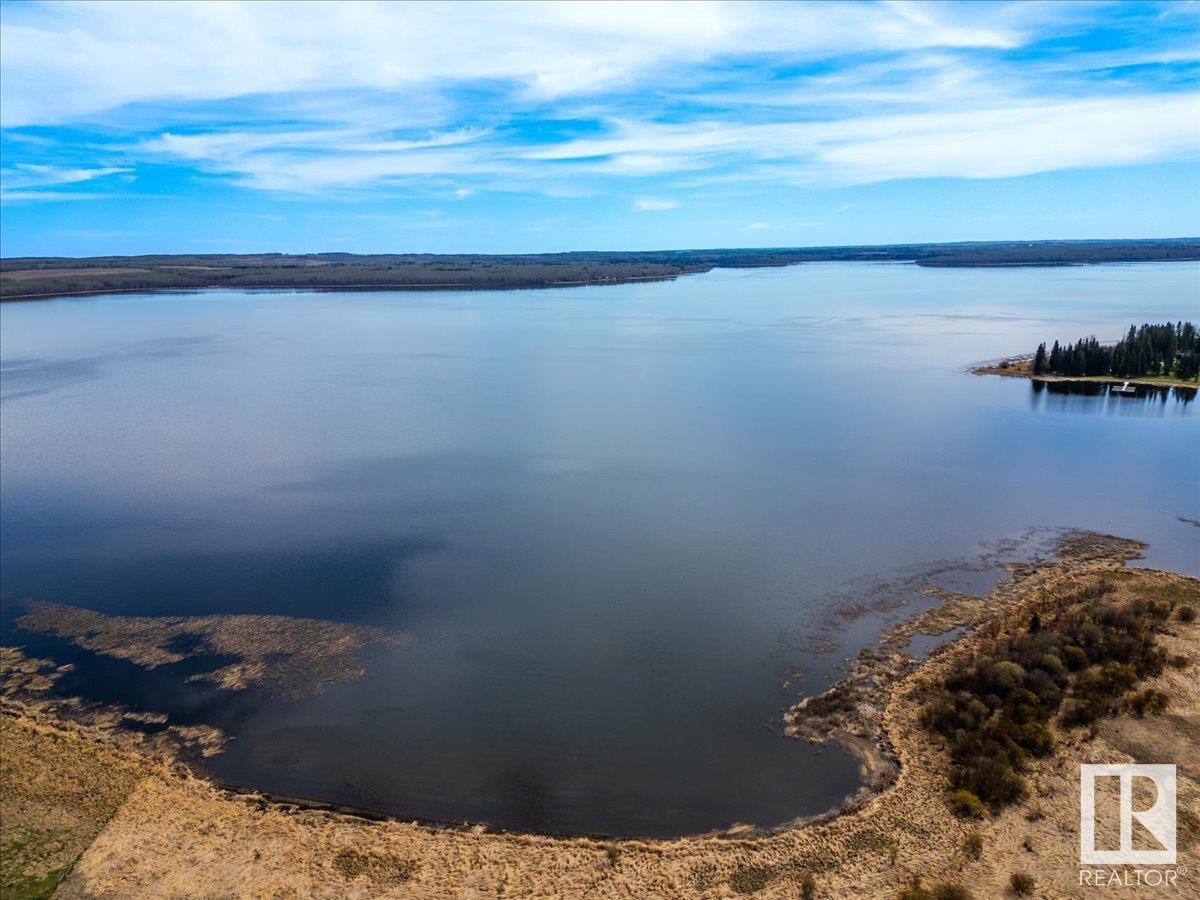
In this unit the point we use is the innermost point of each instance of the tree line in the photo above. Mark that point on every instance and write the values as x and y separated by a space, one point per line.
26 277
1147 350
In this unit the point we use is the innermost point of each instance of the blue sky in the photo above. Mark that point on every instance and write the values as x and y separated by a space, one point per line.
391 127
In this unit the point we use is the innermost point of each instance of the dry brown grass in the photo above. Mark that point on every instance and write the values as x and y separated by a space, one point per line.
57 791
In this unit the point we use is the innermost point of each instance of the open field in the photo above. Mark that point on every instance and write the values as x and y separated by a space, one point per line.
152 829
30 278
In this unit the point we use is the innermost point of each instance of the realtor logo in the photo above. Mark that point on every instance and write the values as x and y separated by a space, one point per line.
1158 820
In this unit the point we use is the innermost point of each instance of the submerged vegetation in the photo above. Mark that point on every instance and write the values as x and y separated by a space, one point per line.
1165 351
287 656
1082 663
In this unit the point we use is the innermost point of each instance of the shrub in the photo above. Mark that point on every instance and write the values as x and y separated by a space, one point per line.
1116 678
993 780
1075 657
1021 884
1054 665
1036 738
966 805
808 886
1077 712
1148 702
1008 677
1186 614
972 844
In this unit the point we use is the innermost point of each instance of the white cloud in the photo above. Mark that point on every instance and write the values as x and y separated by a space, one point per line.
28 182
1022 138
31 175
758 226
72 60
450 99
235 145
338 157
653 204
7 196
972 143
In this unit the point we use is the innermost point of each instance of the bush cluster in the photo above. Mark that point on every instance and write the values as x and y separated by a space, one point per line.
1021 884
994 711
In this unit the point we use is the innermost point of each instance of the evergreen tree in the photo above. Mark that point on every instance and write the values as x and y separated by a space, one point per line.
1039 360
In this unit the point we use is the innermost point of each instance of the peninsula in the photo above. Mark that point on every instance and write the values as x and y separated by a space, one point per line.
1166 355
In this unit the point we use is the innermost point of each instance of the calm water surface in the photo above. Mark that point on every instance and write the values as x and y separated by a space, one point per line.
611 518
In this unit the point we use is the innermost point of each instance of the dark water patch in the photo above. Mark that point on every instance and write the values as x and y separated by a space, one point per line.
350 583
920 645
32 376
184 644
608 787
975 581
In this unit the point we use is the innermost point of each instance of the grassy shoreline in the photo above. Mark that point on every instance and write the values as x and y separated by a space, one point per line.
160 830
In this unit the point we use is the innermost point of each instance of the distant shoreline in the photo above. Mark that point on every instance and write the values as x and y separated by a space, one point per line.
347 288
1022 367
45 277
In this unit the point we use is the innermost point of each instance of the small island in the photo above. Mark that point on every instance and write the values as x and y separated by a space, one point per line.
1166 355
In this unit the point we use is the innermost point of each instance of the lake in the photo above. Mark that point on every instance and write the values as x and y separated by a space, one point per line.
615 522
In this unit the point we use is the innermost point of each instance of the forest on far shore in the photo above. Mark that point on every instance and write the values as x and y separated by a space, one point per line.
29 278
1166 351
